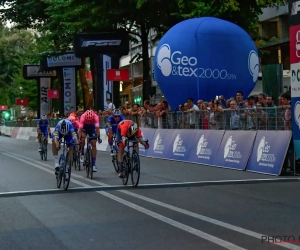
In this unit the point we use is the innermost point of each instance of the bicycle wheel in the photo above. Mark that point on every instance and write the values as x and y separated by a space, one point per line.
135 169
114 160
59 174
44 150
67 172
126 169
91 164
87 163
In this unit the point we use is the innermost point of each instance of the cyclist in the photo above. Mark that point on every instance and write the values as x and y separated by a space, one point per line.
127 129
63 129
112 124
74 122
43 127
89 124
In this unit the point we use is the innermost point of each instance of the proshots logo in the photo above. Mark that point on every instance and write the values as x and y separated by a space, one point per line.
178 147
175 63
253 65
263 156
202 150
157 146
297 113
231 153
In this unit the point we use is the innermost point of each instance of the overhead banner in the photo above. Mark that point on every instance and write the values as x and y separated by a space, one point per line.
22 101
44 85
69 78
294 19
36 71
268 155
66 60
86 45
52 93
234 150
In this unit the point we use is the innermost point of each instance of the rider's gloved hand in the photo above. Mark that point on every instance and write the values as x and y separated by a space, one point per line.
110 142
50 136
99 139
146 145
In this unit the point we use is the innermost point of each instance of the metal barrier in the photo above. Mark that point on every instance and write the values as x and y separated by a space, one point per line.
267 118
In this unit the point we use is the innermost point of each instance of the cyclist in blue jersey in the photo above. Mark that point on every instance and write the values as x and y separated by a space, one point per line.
63 129
43 127
112 124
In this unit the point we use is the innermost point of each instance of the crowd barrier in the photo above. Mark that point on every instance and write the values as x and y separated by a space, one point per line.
254 151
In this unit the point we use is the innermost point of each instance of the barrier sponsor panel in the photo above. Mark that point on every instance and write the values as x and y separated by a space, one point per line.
15 132
269 151
234 150
161 146
147 134
205 146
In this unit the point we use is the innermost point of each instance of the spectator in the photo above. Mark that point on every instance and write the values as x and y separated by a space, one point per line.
110 106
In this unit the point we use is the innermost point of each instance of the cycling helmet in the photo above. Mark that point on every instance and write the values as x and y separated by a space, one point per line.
133 129
117 112
64 127
72 119
43 117
89 115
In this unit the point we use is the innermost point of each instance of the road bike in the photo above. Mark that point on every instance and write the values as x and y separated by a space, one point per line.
65 166
131 161
88 157
114 153
43 151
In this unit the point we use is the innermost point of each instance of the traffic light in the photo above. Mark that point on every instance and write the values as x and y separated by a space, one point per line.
6 115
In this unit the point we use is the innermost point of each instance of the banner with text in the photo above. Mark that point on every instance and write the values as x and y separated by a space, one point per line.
269 152
147 134
162 144
107 85
235 149
69 76
206 144
44 85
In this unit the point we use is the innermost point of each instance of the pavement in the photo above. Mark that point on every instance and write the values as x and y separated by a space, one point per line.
176 206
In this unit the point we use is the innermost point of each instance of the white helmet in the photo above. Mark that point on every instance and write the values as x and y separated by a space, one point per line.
43 117
64 127
117 112
133 129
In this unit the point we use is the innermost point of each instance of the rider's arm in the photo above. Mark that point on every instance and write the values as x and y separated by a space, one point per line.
38 127
49 130
81 123
96 120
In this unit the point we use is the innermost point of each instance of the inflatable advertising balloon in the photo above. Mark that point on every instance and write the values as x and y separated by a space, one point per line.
203 58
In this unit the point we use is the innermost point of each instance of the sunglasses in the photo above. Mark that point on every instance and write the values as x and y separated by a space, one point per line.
116 116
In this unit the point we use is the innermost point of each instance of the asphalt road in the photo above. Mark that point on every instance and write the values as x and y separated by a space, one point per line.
177 206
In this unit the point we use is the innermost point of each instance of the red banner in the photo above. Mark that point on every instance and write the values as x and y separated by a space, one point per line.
295 44
3 107
52 93
117 74
22 102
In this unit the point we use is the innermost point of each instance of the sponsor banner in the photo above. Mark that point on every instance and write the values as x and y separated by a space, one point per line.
117 74
22 101
45 106
69 77
295 80
147 134
235 149
269 151
3 107
36 71
206 146
295 44
107 85
53 93
66 60
162 146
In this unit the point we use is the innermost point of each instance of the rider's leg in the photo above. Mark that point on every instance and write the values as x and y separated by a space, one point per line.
39 141
94 154
120 160
55 154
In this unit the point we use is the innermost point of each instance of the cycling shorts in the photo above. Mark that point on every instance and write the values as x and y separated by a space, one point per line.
89 130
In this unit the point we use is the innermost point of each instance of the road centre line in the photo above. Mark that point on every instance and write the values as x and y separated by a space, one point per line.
143 210
179 210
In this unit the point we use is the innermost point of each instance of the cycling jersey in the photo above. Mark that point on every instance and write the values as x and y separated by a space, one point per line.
76 125
43 126
123 128
68 137
93 122
112 123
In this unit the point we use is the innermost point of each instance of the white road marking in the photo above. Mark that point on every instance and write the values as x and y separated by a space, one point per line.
157 216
